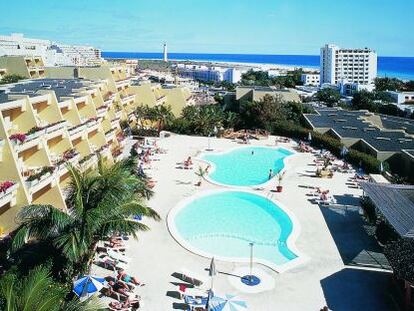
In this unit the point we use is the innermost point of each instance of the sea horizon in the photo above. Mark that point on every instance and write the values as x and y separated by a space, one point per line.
388 66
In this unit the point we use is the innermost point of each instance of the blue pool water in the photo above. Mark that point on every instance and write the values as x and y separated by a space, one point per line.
240 167
223 224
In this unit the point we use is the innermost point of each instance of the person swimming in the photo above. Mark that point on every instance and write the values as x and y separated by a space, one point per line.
252 152
270 174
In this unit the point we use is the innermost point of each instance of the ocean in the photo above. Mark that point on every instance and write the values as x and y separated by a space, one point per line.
398 67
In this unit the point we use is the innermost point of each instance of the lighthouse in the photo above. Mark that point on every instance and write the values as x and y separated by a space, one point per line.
165 58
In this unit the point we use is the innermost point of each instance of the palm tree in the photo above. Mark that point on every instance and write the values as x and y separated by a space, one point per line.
100 203
37 291
163 116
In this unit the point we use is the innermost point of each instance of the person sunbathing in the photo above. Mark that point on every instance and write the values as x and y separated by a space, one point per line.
114 242
116 305
119 287
123 276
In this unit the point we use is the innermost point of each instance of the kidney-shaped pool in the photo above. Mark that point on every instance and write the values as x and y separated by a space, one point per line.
223 223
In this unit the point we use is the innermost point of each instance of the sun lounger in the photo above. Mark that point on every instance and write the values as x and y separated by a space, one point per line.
110 264
118 256
195 301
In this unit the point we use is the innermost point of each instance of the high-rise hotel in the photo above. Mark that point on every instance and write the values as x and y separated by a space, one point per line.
351 65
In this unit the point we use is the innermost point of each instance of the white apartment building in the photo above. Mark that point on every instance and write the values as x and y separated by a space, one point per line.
353 65
78 54
53 54
402 97
209 73
310 79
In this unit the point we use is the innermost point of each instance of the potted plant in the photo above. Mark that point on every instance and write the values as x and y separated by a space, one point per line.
200 173
280 176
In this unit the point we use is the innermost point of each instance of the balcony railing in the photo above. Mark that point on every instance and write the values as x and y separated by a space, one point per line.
8 191
88 161
92 124
101 111
23 142
77 130
104 151
41 179
55 129
71 157
110 135
115 122
118 114
127 99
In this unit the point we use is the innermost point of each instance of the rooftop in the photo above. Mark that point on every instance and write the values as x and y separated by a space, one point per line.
388 134
396 204
31 88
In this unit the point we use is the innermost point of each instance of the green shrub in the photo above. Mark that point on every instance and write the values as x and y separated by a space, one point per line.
367 162
385 233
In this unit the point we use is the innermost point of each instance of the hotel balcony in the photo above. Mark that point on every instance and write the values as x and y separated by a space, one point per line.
115 123
127 99
122 83
121 140
88 161
101 111
8 192
117 154
55 129
77 131
71 157
104 151
118 114
38 180
22 142
92 125
110 135
161 100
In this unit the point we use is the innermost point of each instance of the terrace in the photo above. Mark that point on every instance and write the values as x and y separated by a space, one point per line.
88 161
39 178
77 131
110 135
71 157
8 192
102 110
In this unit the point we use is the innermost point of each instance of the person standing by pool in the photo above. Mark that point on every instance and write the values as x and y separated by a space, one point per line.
270 174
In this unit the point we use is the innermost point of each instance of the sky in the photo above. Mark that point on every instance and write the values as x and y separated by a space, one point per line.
216 26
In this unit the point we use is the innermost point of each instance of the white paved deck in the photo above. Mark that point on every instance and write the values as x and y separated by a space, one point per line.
157 255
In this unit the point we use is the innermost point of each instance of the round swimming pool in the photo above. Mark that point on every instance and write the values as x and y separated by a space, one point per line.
224 223
245 166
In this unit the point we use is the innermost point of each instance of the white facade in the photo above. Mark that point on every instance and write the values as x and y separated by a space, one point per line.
353 65
209 73
350 88
310 79
53 54
401 97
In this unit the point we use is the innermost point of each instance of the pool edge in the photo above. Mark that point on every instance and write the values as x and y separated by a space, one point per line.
290 242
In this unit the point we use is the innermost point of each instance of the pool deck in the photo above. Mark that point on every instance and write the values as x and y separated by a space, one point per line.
322 280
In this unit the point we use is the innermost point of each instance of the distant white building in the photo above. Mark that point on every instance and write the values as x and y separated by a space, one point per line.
310 79
347 88
401 97
353 65
53 54
209 73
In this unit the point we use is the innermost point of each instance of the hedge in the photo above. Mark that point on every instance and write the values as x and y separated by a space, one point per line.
369 163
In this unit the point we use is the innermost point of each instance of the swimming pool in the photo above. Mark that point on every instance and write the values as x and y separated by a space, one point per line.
245 166
222 223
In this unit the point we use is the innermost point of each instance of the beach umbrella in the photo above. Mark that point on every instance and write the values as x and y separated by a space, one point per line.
309 136
87 286
226 303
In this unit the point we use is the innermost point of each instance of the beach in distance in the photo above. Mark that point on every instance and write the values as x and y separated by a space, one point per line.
396 67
